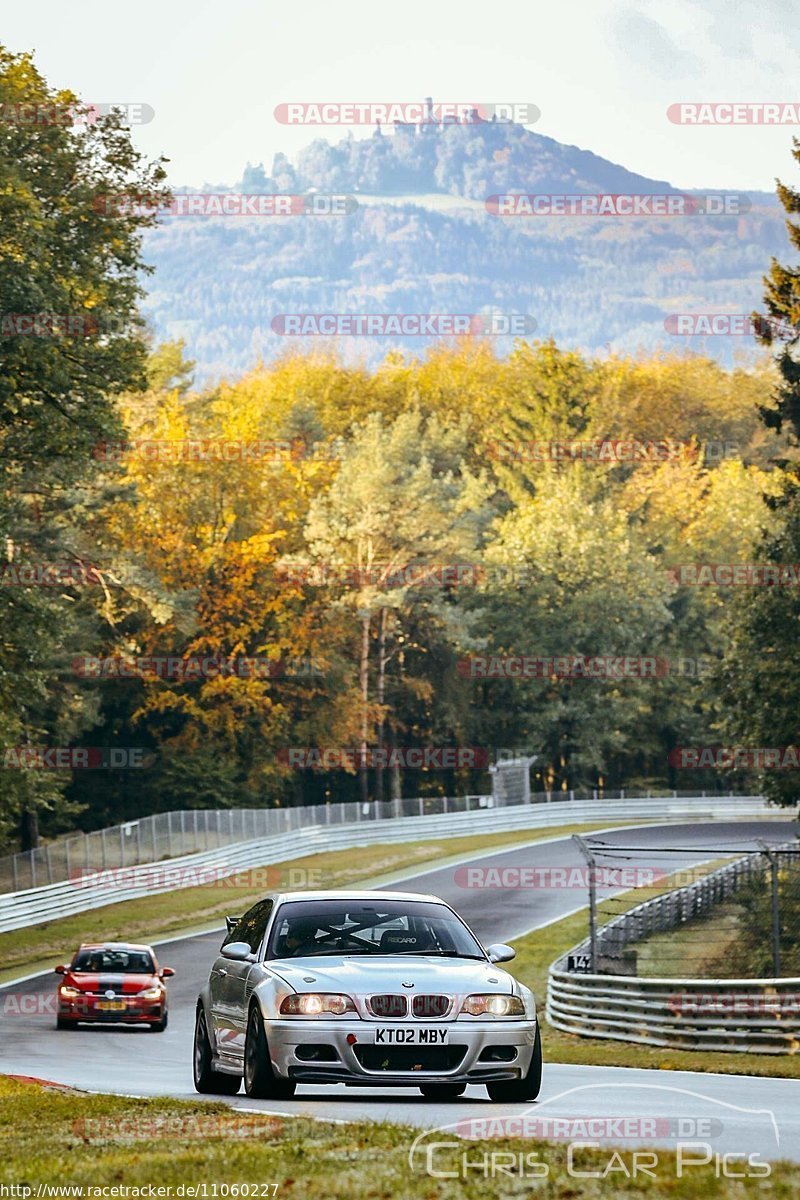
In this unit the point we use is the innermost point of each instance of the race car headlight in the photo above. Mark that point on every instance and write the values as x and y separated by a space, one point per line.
493 1005
314 1004
69 993
151 993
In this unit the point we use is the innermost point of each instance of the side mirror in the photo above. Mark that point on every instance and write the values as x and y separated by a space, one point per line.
500 953
238 951
166 972
60 969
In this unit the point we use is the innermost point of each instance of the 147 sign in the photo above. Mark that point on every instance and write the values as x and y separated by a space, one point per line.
579 964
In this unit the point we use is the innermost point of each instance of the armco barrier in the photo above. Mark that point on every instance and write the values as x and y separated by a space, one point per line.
36 905
755 1015
190 831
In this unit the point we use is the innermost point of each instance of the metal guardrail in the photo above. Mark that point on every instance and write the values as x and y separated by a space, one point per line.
117 881
190 831
754 1015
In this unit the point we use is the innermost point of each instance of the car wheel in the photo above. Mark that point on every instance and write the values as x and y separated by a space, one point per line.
160 1026
260 1080
527 1088
62 1024
442 1091
206 1079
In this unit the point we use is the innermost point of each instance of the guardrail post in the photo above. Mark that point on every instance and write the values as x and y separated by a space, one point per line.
33 869
772 859
590 859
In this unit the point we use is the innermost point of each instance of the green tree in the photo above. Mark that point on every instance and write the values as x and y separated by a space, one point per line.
70 257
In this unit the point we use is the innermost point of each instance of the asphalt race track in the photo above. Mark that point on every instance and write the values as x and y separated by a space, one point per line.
756 1115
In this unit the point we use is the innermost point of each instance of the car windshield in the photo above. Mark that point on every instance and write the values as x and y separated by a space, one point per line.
313 927
114 962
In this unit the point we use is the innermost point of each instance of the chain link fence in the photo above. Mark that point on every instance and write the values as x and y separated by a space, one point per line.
735 915
172 834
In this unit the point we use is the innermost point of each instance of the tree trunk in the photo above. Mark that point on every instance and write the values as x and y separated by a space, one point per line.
395 779
363 769
381 693
29 829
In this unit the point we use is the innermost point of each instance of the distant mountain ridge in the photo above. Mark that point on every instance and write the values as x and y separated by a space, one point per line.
599 284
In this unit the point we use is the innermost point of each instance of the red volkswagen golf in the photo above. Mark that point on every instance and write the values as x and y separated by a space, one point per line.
113 982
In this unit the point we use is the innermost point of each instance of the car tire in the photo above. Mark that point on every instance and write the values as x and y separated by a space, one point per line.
527 1088
160 1026
206 1079
62 1024
260 1081
442 1091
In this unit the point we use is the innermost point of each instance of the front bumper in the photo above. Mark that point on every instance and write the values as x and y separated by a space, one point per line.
135 1012
476 1051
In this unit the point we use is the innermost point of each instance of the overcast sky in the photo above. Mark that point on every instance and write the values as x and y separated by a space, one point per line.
602 72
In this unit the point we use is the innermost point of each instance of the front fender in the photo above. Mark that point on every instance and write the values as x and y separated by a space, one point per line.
269 993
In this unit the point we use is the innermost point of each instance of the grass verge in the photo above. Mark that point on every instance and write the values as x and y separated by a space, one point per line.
60 1139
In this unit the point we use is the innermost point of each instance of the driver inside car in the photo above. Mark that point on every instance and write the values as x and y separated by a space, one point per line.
301 938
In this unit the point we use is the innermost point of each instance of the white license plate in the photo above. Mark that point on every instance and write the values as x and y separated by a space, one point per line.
410 1036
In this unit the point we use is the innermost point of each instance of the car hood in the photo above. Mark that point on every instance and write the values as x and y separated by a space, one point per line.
363 974
126 985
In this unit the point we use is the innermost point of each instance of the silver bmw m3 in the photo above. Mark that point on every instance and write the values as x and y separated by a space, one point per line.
381 989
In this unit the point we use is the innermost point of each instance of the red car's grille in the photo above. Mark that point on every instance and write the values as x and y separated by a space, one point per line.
388 1006
428 1007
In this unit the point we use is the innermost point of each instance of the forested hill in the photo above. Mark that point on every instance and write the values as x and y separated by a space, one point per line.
421 241
472 161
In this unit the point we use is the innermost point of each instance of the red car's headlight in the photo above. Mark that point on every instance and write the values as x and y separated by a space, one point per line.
69 993
493 1005
313 1004
151 993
